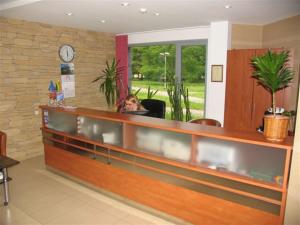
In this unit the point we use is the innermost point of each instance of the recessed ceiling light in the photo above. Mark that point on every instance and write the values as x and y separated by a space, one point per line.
227 6
69 14
156 14
103 21
125 4
143 10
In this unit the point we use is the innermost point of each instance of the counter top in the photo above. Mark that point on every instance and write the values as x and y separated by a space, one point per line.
183 127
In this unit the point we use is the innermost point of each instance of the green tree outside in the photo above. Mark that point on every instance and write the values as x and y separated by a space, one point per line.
148 68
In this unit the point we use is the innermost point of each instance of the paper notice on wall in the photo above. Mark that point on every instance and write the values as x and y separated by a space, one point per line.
68 85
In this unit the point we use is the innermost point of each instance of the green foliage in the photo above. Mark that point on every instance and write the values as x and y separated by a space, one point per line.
272 72
151 93
129 91
174 94
185 94
136 92
195 89
193 63
108 82
146 60
289 113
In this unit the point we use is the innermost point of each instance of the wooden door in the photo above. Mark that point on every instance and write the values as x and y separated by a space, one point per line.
239 89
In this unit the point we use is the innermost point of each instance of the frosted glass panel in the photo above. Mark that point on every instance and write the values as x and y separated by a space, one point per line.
164 143
59 121
259 162
104 131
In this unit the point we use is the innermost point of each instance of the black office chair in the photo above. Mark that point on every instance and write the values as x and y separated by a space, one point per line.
157 108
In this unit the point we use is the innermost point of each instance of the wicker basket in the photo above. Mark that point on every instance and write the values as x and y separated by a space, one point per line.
276 128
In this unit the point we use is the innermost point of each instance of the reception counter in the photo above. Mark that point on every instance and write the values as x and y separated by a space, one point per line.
203 175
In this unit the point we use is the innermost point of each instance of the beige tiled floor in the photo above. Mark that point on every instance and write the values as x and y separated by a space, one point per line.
38 196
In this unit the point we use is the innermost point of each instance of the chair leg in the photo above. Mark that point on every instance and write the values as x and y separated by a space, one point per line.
108 156
94 152
5 186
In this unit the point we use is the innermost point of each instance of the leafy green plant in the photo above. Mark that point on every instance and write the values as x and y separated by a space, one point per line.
136 92
151 93
109 78
272 72
289 113
185 94
174 92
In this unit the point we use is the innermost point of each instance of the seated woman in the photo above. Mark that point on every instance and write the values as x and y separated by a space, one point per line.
132 103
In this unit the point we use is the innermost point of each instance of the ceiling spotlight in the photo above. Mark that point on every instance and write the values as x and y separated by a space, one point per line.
125 4
156 14
69 14
143 10
103 21
227 6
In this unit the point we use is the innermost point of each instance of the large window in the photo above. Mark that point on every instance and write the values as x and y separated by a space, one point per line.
155 66
193 60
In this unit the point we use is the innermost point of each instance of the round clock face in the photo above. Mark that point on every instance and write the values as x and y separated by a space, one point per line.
66 53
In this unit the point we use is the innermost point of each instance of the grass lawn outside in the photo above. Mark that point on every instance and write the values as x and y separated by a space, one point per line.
193 105
195 89
196 95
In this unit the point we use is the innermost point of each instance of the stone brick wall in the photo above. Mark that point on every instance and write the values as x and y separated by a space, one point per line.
28 61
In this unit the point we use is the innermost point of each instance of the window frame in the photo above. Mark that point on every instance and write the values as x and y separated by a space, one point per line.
178 59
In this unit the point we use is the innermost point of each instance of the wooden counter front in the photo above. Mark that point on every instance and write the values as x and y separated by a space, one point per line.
106 149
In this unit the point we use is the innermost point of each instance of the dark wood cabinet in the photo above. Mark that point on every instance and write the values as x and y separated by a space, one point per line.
246 100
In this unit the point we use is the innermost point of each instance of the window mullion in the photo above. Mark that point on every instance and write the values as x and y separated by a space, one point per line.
178 63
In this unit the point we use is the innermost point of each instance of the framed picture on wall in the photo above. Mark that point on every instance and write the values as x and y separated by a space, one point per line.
216 73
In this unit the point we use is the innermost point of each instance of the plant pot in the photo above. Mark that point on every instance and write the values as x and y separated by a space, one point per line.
276 127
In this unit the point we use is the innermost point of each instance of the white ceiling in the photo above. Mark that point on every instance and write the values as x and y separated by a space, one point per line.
87 14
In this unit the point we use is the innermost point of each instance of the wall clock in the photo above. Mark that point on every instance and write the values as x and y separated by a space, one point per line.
66 53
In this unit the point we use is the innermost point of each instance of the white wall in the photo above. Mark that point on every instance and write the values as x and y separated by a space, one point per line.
218 36
180 34
218 42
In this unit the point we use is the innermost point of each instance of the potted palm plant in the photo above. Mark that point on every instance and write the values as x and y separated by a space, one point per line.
109 79
272 72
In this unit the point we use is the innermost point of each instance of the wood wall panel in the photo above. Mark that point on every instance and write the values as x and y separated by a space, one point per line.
239 89
247 100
